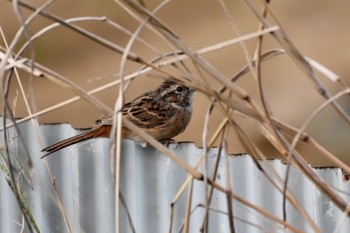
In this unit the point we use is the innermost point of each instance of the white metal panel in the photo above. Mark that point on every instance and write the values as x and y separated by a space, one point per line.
149 182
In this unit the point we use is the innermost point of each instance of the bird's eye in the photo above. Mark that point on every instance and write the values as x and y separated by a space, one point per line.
179 89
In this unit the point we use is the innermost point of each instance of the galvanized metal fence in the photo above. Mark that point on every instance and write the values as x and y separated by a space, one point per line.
149 183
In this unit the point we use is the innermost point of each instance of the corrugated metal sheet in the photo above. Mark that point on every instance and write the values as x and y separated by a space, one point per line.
149 182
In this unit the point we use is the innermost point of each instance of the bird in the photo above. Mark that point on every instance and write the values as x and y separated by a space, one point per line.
162 113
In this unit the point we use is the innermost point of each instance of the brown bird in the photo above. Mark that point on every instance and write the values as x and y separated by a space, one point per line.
162 113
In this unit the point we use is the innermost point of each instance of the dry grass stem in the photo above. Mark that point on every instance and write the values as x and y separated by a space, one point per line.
238 99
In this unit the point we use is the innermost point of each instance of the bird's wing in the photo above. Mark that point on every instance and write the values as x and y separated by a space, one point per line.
147 112
144 112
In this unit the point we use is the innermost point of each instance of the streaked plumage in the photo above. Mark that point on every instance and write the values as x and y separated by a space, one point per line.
163 113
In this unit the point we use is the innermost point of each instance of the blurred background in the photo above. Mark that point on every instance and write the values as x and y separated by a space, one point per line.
319 29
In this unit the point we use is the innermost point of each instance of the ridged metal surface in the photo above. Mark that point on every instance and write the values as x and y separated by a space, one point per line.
149 182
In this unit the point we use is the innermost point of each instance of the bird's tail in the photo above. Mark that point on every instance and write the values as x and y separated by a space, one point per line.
98 132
